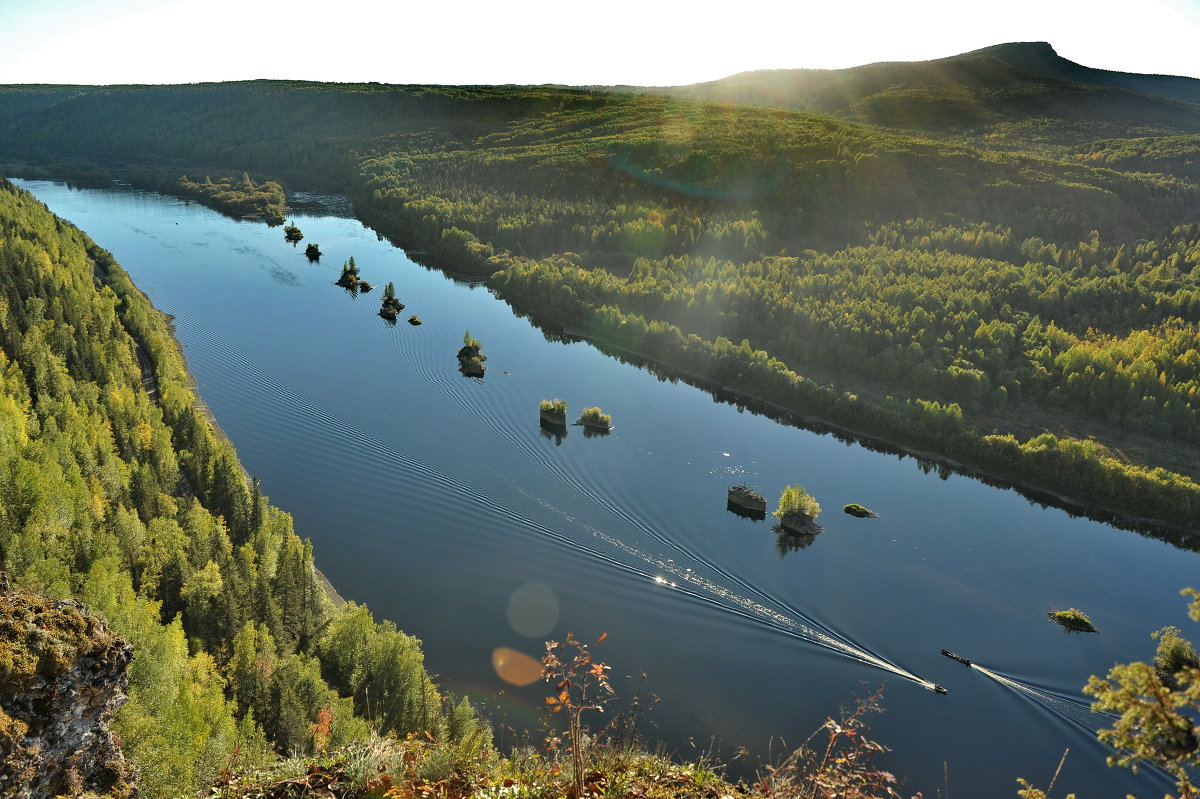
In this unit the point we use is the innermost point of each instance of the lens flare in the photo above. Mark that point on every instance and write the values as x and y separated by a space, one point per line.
514 667
533 610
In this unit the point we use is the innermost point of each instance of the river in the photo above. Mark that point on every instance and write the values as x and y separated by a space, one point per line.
440 502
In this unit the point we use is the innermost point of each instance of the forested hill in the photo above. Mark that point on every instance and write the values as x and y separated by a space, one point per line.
115 489
815 176
1021 91
1032 316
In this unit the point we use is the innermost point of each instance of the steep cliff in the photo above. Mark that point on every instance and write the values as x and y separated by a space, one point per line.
62 677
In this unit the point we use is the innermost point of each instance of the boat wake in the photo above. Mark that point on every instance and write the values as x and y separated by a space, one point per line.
782 618
1075 710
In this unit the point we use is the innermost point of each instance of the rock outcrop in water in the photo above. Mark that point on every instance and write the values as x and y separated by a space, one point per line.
799 524
62 677
748 499
595 419
471 357
392 305
553 412
1073 619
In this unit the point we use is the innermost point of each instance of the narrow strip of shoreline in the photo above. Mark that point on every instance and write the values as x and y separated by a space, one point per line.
331 592
1028 489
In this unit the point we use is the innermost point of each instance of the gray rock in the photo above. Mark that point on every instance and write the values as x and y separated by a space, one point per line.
63 675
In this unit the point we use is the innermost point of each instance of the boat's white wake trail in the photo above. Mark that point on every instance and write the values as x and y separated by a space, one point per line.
1077 711
801 628
795 624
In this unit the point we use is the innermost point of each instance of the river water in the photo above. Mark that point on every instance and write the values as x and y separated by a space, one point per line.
440 502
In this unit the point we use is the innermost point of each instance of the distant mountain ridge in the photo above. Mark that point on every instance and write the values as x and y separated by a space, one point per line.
978 92
1040 58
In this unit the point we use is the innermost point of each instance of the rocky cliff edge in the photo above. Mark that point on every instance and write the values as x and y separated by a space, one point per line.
63 675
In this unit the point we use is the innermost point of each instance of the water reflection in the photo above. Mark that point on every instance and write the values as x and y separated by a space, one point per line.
787 542
745 513
553 431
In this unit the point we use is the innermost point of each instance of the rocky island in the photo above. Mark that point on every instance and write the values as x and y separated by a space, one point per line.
1073 619
798 511
349 278
471 357
392 306
595 419
553 412
746 501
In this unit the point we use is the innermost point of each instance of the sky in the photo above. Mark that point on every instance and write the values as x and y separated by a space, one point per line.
604 42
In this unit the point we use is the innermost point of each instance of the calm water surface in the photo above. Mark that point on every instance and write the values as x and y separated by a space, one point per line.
437 500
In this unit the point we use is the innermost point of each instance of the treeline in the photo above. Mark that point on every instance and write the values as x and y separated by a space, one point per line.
115 488
509 149
1108 333
292 130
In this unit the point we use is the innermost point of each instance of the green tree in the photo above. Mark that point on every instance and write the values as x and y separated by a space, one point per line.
1157 706
795 500
201 594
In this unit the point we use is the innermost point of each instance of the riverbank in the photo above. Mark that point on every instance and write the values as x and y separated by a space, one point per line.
148 377
331 593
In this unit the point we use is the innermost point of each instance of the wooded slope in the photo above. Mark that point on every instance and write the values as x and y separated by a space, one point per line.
115 488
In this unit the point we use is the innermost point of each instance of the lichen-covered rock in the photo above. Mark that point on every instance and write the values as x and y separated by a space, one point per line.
62 677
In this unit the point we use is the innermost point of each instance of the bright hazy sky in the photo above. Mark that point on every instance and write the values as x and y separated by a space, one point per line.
560 41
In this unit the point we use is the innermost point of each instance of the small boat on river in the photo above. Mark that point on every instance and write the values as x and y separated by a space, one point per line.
959 658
